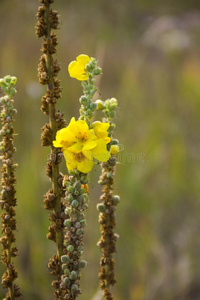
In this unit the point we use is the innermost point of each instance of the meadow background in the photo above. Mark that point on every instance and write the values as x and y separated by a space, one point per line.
150 55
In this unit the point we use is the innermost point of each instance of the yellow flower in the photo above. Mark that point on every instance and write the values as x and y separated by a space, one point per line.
81 145
101 130
76 68
114 149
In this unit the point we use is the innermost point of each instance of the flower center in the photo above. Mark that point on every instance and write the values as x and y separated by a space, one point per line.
79 157
83 137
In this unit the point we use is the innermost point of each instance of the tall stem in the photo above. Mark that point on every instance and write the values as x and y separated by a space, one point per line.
8 199
47 71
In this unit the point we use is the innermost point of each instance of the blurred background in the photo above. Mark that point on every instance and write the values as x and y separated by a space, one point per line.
150 55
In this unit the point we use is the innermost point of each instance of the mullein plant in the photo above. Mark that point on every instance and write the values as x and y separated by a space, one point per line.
48 69
106 208
83 144
8 199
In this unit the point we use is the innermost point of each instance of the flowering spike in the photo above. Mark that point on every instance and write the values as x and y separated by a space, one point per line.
107 242
8 198
81 143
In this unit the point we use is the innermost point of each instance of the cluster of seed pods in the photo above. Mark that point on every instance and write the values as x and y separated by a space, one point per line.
8 199
48 69
76 203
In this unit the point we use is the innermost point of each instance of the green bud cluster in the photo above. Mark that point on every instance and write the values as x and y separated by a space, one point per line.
76 201
109 109
89 89
107 206
7 85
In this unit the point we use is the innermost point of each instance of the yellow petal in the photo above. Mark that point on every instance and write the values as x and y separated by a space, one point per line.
64 138
114 149
76 68
66 135
83 59
89 144
85 166
100 152
88 154
76 147
79 128
57 144
77 71
70 160
73 69
101 130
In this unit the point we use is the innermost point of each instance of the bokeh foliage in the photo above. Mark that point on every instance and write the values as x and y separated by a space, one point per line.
149 52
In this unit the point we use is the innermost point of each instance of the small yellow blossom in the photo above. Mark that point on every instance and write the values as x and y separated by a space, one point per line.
101 130
81 145
114 149
76 68
85 186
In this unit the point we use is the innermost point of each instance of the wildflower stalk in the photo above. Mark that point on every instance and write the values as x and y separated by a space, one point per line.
106 208
8 199
48 69
77 198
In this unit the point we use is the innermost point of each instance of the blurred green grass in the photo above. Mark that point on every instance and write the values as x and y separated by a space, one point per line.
149 53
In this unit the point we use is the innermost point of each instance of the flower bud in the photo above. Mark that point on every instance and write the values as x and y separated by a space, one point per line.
113 103
64 258
116 199
70 189
109 175
100 104
70 198
80 248
70 248
79 231
89 67
67 210
111 114
82 190
77 185
114 149
76 192
93 106
83 223
80 198
66 281
74 288
82 263
97 71
73 275
66 271
100 207
75 203
89 111
114 142
83 100
67 223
